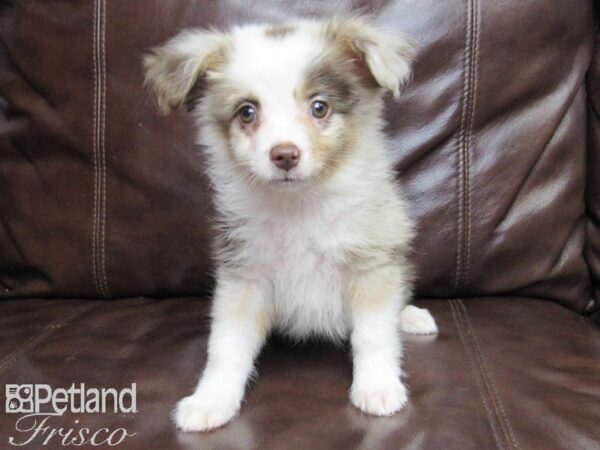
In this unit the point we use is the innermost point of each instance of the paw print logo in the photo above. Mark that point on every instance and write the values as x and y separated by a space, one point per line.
19 398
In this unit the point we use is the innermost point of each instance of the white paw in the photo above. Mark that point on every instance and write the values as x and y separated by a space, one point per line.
415 320
379 399
203 413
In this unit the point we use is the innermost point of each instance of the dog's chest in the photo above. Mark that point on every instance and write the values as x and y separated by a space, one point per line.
305 262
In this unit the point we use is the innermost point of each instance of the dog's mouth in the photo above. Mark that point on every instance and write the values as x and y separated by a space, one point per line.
283 181
287 181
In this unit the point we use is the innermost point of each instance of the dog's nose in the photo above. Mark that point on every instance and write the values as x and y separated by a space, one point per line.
285 156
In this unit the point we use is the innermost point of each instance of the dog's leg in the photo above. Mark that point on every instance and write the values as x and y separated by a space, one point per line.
415 320
376 347
241 320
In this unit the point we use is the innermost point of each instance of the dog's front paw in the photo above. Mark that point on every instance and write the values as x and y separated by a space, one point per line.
379 399
201 413
415 320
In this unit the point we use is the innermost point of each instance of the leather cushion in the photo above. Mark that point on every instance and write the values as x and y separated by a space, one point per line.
503 373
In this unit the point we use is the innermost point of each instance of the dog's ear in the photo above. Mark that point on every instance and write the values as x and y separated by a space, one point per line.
175 70
387 57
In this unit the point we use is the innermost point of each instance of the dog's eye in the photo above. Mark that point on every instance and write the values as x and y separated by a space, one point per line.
247 113
319 109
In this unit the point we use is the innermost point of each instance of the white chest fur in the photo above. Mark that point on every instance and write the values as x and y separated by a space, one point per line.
304 261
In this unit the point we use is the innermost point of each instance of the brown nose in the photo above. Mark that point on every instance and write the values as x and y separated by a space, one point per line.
285 156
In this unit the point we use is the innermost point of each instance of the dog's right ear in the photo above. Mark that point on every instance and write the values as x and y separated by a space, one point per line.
174 71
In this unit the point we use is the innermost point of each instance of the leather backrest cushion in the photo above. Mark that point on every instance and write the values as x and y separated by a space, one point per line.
102 197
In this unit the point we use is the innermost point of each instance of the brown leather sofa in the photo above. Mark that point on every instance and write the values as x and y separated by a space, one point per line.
105 216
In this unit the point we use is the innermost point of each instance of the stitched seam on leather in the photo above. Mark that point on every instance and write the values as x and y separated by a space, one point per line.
476 374
103 153
489 380
465 137
12 357
469 142
95 149
99 219
460 156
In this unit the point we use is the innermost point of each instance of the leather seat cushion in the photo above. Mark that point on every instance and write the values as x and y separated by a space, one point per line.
502 373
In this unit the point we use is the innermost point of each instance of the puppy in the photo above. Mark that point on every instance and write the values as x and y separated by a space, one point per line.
312 230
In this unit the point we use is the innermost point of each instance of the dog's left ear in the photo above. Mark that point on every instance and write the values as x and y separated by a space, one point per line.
387 57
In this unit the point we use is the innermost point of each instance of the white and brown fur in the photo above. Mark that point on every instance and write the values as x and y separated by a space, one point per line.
317 250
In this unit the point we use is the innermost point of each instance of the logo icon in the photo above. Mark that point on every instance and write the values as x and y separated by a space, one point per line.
19 398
